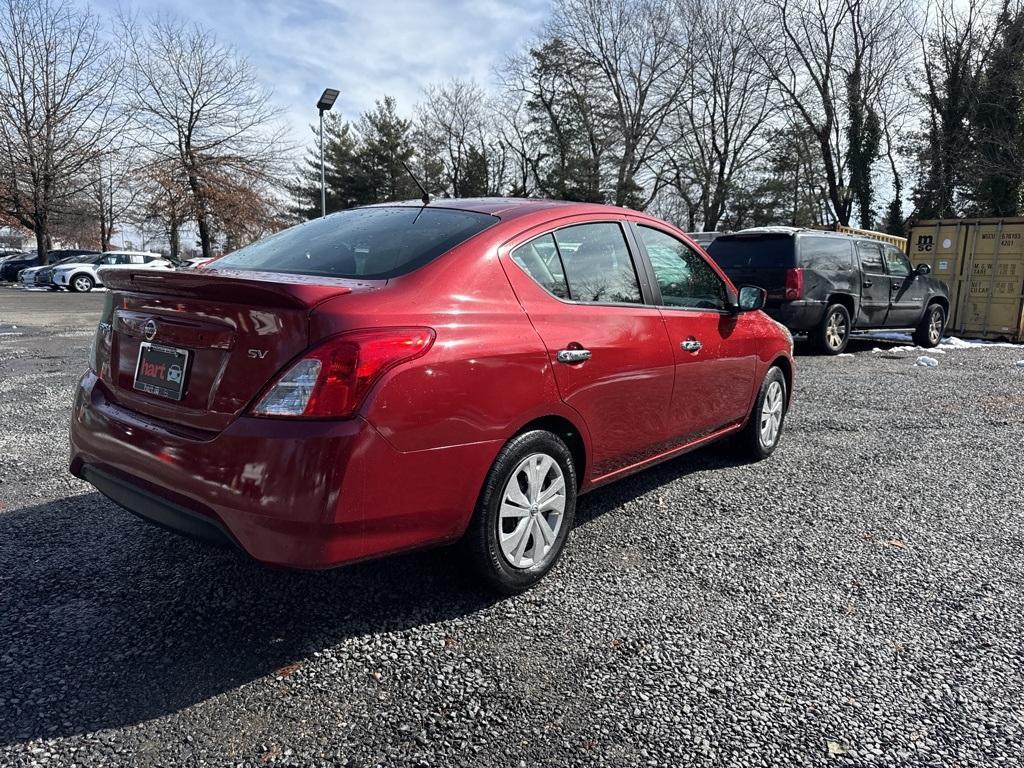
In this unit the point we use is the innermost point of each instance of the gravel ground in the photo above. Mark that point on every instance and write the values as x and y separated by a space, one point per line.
855 600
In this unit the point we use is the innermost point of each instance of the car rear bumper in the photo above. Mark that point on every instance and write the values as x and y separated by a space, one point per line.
800 315
308 495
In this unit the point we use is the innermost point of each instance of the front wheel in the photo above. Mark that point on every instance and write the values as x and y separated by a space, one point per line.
525 512
761 436
929 331
82 283
833 332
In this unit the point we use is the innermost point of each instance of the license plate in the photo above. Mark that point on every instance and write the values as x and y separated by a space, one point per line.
161 370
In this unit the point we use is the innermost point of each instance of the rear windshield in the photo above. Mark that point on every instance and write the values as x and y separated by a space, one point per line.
372 243
753 251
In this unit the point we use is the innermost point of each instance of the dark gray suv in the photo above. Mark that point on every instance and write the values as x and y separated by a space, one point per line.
826 284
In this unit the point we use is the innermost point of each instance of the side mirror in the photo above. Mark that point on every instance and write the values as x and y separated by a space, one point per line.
750 298
923 269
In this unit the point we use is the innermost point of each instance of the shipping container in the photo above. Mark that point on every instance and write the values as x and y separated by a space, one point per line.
982 262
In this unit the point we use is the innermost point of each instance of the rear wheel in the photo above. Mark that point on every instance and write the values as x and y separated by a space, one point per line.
833 333
929 331
81 284
525 512
761 436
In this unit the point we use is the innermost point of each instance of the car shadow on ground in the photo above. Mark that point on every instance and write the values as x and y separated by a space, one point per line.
106 621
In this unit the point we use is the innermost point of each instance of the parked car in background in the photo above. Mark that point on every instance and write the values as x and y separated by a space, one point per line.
42 277
14 262
827 285
397 376
83 276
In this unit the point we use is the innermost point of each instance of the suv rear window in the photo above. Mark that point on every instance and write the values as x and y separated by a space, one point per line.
373 243
761 251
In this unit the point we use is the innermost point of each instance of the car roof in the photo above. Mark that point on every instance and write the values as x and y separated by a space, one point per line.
506 207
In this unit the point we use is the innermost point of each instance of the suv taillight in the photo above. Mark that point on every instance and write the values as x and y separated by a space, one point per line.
330 381
794 284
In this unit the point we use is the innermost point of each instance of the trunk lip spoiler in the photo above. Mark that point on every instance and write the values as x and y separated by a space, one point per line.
271 289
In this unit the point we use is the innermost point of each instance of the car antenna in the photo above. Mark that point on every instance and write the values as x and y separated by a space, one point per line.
426 196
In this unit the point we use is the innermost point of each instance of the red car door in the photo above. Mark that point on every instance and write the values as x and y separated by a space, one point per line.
715 359
609 352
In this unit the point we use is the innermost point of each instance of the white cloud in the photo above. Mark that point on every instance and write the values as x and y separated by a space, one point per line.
365 49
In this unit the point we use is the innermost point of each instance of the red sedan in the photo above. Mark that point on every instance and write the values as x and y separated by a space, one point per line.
399 376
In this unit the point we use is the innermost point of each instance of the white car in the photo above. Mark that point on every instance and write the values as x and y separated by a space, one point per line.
84 275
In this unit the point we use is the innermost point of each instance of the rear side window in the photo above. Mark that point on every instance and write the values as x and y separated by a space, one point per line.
827 254
540 259
870 257
373 243
760 251
598 267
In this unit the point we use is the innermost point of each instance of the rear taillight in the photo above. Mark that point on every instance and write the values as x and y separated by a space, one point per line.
332 380
99 352
794 284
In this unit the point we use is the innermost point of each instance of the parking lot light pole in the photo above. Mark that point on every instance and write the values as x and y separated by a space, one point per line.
327 100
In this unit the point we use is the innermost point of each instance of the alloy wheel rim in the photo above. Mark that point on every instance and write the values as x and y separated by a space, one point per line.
81 283
771 415
531 512
835 330
935 329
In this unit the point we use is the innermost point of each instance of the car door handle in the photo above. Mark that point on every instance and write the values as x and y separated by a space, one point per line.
691 345
571 356
867 283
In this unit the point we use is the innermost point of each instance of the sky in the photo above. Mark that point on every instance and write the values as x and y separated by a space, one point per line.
364 49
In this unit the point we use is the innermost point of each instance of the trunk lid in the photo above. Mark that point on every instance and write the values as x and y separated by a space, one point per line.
239 328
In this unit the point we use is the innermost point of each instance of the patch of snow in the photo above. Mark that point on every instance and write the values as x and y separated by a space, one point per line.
952 342
845 354
927 362
1019 364
888 336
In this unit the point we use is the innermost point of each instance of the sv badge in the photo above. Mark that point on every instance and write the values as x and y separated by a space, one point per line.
257 354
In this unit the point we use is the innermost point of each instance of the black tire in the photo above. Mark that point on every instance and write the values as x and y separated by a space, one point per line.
81 284
833 332
928 333
751 438
482 537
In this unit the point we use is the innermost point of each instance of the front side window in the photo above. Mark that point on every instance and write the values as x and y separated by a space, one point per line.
372 243
684 277
896 262
598 267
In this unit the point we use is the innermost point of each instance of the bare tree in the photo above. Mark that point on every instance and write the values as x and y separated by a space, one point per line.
718 130
452 128
58 114
112 190
633 45
199 105
164 203
831 60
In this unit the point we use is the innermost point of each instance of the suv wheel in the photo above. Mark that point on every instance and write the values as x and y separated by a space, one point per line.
929 331
525 512
761 436
81 284
833 333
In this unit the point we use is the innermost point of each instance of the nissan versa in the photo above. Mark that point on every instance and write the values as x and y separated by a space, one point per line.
398 376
